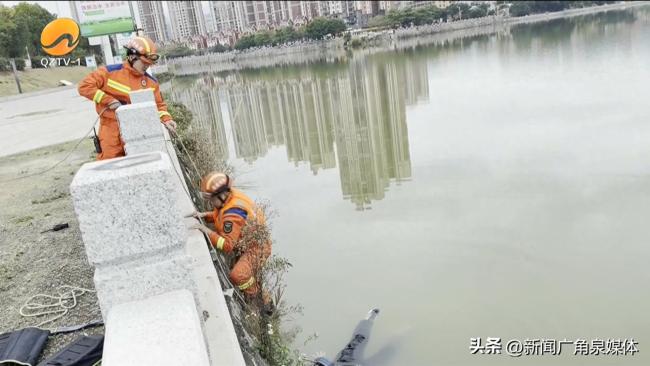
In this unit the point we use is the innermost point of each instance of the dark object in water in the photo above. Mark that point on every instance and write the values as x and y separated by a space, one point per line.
57 227
353 352
83 351
22 346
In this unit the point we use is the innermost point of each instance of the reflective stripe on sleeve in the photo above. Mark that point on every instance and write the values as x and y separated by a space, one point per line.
163 113
247 284
98 96
220 243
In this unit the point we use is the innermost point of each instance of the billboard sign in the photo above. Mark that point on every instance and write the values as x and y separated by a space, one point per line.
121 39
97 18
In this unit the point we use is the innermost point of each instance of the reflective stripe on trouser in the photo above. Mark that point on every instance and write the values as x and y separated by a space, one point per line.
244 271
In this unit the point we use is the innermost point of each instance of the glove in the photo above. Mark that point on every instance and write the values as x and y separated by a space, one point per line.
194 214
171 126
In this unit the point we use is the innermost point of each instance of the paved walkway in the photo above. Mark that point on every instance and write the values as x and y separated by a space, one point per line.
43 118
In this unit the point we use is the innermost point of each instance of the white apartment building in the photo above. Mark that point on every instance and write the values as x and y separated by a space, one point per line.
186 19
152 20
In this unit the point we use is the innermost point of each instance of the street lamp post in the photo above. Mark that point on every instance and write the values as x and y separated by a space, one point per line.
13 67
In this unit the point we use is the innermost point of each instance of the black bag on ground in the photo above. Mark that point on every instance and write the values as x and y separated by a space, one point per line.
84 351
22 346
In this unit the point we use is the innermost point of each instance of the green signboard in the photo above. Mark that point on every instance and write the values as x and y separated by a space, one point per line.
98 18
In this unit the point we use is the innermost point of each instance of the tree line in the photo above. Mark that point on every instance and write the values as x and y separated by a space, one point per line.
20 35
523 8
430 14
462 10
316 29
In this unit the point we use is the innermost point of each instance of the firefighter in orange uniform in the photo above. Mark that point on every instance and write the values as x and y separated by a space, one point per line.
109 88
231 210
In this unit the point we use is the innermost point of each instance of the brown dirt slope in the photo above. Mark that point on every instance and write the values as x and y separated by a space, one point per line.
39 79
31 262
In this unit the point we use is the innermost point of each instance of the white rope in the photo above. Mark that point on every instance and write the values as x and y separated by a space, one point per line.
59 306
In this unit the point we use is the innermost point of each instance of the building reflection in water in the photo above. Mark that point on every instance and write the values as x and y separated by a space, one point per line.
355 117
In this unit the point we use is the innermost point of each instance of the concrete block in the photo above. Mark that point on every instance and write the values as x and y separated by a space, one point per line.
144 146
142 278
127 207
223 345
161 330
141 96
139 122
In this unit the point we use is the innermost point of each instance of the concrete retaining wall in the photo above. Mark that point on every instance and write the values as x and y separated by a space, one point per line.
158 289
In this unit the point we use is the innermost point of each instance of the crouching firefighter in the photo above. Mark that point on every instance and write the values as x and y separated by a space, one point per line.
232 210
109 88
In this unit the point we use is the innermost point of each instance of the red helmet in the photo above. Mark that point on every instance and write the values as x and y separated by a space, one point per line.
216 183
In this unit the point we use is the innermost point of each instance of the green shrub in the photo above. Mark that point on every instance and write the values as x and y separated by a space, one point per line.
198 155
5 64
164 76
318 28
36 62
180 114
356 43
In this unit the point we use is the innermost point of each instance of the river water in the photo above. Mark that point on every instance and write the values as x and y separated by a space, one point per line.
494 186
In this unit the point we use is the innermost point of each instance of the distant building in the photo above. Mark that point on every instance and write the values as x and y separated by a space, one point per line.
385 6
221 38
249 16
246 16
341 9
228 15
152 20
196 42
186 18
369 7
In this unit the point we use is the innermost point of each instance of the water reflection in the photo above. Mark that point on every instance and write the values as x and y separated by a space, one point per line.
353 118
205 104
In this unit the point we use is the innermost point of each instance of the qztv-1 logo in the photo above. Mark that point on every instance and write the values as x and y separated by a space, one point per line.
59 38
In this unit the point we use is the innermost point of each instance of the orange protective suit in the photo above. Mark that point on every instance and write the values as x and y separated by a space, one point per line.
229 222
113 83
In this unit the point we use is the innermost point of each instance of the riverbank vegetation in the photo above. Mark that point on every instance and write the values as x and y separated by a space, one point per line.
320 28
263 335
429 15
463 10
523 8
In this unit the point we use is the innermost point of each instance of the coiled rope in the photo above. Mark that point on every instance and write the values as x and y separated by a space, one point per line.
56 305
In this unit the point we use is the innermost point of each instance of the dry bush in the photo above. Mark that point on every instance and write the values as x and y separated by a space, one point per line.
273 339
198 156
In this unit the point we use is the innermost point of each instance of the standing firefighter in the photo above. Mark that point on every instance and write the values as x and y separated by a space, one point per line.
232 209
109 88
